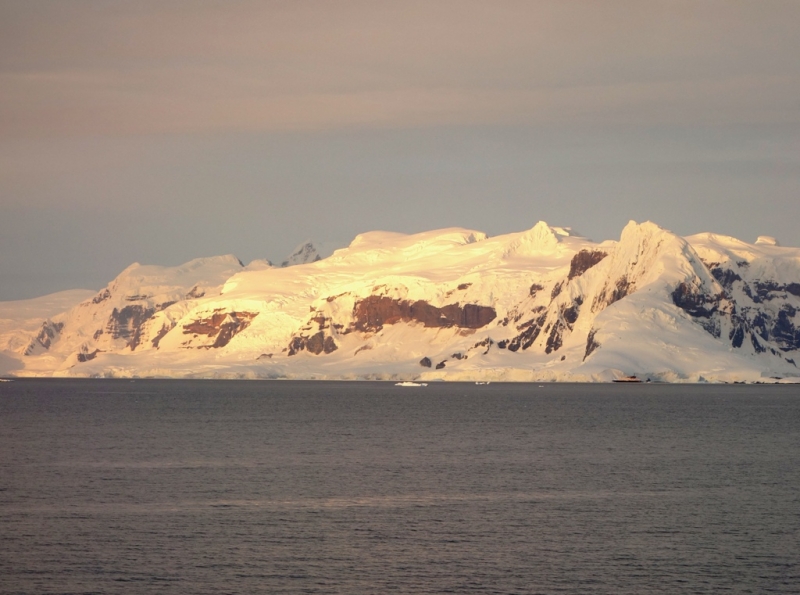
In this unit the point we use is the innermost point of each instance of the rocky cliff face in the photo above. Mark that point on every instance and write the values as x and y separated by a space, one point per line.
540 304
756 303
370 314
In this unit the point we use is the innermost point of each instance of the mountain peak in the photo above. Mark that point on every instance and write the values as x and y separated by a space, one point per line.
540 239
311 251
303 254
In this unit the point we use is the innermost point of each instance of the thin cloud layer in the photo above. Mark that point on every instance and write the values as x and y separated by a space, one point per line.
97 68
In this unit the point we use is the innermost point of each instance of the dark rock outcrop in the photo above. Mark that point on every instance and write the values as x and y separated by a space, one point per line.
127 323
784 333
530 332
725 277
565 317
612 293
591 344
315 337
425 362
87 356
47 334
487 342
195 292
696 303
554 339
760 315
583 261
373 312
165 328
316 344
102 296
222 325
770 290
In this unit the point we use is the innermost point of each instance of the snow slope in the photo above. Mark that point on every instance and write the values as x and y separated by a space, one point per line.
542 304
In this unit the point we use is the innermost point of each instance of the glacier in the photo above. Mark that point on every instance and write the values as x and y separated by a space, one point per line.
545 304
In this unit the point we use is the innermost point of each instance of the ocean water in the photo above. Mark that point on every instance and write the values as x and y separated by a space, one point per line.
325 487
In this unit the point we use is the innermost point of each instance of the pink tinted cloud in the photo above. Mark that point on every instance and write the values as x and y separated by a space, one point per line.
97 68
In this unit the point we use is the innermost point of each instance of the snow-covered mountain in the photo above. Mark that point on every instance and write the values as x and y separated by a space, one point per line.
454 304
310 252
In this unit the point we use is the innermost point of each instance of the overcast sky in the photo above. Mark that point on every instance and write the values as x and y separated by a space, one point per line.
162 131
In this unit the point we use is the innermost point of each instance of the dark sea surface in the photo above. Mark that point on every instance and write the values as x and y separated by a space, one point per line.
112 486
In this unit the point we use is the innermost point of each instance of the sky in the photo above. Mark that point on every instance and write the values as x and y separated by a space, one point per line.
157 132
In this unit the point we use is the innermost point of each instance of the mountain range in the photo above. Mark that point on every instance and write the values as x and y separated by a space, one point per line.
452 304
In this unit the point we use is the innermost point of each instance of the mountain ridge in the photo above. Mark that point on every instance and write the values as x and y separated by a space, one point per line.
449 304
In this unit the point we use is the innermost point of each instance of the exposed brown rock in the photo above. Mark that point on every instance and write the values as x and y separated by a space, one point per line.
316 344
165 328
85 357
487 342
608 296
195 292
571 314
371 313
223 325
45 337
535 288
205 326
623 288
127 323
583 261
101 297
554 340
591 344
530 332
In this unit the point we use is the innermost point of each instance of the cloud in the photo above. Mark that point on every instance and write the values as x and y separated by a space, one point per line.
97 68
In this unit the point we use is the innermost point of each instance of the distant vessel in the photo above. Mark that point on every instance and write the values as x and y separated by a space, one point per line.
411 384
628 379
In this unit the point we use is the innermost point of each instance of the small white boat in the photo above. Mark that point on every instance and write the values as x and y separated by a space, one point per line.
411 384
